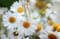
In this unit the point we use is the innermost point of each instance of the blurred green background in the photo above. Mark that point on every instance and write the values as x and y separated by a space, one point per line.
6 3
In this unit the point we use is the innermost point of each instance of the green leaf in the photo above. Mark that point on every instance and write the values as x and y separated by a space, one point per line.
6 32
42 13
34 37
0 18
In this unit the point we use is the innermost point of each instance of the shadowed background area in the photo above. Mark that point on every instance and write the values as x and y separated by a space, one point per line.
6 3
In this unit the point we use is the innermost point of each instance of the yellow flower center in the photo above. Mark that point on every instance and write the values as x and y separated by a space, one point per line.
41 5
39 27
12 19
51 23
15 33
52 36
38 4
55 26
44 6
58 29
26 24
20 9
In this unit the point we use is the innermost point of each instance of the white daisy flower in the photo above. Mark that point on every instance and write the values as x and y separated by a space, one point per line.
17 7
27 27
35 17
50 35
11 19
15 34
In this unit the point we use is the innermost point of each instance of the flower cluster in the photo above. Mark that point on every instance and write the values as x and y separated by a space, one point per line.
32 17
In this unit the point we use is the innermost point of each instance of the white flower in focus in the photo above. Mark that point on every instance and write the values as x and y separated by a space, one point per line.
27 27
11 19
17 7
15 34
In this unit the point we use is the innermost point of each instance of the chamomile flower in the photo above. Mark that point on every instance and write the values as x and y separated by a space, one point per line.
10 19
17 7
27 27
50 35
15 34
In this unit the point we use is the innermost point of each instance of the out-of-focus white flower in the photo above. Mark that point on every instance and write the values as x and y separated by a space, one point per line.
48 12
55 0
56 12
50 28
3 10
55 7
32 5
35 17
32 1
55 17
50 35
49 5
